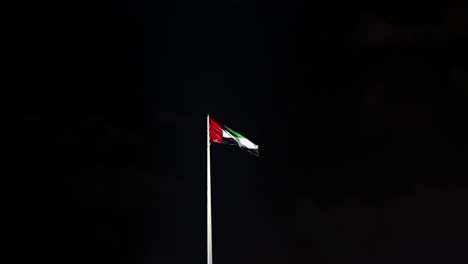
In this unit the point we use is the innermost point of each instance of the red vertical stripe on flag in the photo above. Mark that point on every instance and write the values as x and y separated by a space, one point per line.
216 131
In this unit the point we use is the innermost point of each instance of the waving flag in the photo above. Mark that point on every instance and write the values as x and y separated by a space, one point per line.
224 135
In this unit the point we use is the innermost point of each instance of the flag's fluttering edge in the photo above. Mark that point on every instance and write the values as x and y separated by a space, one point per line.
224 135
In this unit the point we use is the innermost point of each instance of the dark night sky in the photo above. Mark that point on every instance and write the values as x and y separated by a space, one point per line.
358 111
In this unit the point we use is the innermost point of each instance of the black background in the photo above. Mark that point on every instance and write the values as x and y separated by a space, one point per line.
358 111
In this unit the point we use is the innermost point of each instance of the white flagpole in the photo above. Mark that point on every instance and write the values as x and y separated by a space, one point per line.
208 193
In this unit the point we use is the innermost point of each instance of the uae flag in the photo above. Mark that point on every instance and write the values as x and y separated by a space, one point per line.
224 135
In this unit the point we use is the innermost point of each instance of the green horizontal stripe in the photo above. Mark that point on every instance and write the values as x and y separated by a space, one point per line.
234 133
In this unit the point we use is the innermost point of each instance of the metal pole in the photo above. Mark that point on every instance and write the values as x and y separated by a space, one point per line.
208 193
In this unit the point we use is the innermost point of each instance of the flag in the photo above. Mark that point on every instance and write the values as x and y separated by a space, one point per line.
224 135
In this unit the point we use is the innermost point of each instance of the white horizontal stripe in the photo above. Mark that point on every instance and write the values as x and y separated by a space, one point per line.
242 141
247 143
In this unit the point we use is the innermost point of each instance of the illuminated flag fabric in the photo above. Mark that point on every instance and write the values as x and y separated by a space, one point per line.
224 135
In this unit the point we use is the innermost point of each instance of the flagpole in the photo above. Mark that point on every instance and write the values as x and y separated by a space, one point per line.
208 192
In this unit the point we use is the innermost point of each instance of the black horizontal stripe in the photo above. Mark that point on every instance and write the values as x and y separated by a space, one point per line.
230 141
253 151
